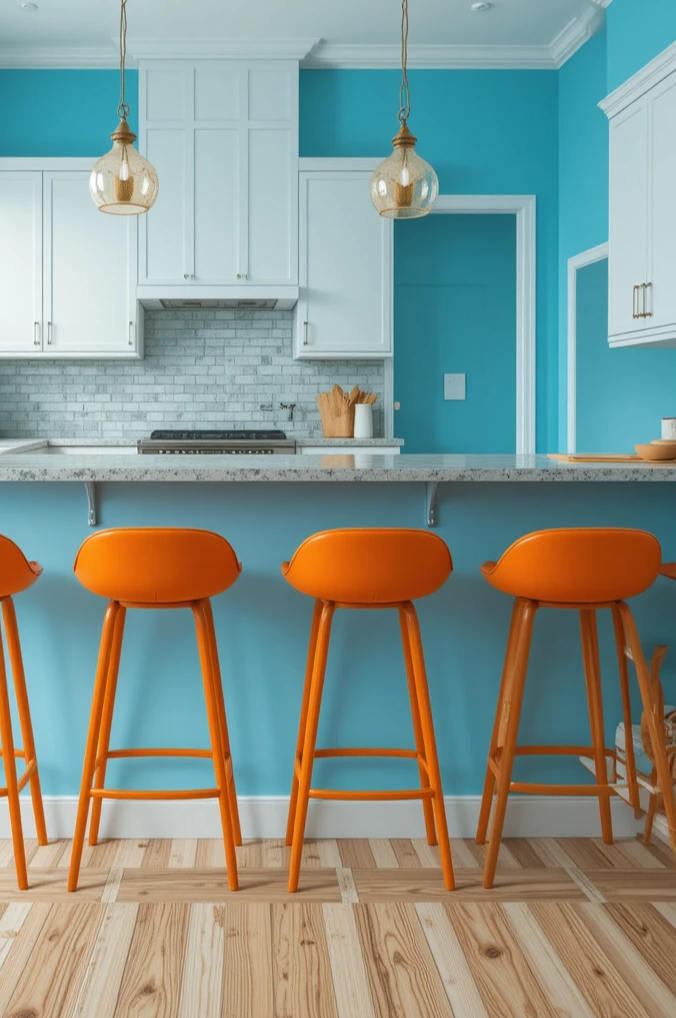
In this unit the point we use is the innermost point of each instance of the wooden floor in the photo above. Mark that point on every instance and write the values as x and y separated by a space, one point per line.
573 928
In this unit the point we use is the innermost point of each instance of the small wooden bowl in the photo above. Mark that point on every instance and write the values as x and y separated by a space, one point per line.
661 450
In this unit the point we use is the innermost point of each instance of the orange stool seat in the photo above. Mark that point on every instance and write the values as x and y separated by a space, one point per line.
368 569
160 568
582 569
16 575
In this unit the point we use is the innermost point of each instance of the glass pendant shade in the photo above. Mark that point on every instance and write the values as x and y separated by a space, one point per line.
404 186
122 182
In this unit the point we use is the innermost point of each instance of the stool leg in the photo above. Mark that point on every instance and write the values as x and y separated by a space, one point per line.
222 721
505 684
310 741
220 769
16 661
590 652
655 724
652 810
9 760
107 723
509 732
423 696
98 697
309 667
630 758
428 810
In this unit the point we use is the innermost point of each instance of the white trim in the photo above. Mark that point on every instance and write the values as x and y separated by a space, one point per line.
649 76
602 3
576 33
429 57
265 817
580 261
349 164
39 165
524 207
220 49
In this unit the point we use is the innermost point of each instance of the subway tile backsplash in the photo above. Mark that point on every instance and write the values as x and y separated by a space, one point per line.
201 369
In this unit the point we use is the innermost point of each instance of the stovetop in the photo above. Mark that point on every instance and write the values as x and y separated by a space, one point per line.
218 435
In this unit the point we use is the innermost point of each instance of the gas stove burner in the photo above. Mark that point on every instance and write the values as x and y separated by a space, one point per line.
218 435
217 442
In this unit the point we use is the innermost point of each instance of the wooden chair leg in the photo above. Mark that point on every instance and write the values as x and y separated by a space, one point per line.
508 735
428 810
89 765
590 654
427 724
217 753
106 724
309 667
629 755
16 661
505 685
310 740
9 761
222 722
655 723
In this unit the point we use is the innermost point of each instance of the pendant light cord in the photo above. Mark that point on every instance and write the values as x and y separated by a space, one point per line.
404 91
123 109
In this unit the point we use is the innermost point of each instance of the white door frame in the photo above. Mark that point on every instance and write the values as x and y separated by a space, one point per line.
577 262
524 208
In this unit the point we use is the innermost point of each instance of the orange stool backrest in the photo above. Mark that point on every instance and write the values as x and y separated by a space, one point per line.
156 565
578 566
16 572
369 566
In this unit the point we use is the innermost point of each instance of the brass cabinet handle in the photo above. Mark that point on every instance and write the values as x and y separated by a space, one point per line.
36 334
634 303
305 339
131 334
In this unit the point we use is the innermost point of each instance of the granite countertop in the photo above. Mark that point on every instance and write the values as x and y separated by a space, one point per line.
21 464
356 442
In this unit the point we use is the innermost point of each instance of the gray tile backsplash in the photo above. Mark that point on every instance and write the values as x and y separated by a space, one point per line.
201 369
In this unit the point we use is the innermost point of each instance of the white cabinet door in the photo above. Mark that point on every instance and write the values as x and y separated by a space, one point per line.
627 266
88 268
345 307
20 262
164 251
661 295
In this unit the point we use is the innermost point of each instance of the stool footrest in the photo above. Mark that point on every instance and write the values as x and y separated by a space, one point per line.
23 780
19 753
372 796
122 754
174 793
530 788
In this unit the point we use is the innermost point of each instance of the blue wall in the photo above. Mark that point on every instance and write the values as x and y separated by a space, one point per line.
637 31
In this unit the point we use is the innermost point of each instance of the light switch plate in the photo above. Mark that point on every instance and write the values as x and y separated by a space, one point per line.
455 386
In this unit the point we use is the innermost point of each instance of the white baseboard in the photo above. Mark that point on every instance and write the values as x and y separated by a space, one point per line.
265 817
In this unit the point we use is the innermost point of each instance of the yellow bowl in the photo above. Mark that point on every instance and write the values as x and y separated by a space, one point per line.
657 451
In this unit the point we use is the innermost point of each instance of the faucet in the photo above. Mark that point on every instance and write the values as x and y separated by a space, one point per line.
290 407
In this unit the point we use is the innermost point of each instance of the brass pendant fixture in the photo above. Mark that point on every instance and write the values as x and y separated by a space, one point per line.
404 186
123 183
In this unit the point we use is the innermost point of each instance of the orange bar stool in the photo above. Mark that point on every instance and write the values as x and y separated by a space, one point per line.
361 569
582 570
155 568
17 574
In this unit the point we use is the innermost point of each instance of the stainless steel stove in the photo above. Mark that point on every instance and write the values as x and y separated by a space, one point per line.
217 443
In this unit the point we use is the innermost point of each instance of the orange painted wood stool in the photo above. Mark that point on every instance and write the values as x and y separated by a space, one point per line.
155 568
367 569
582 570
17 574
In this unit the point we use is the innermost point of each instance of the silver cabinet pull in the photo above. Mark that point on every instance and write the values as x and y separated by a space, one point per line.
646 312
634 303
242 275
49 333
36 334
305 339
186 276
131 334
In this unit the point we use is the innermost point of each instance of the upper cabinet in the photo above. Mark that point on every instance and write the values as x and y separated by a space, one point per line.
345 305
642 235
68 277
223 137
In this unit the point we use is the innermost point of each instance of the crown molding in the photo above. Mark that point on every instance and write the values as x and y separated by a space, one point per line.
220 49
576 33
602 3
59 57
430 57
642 82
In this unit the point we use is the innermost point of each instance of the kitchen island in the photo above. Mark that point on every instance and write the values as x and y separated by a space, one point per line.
266 509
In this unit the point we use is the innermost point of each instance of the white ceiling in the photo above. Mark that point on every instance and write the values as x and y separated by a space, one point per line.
338 31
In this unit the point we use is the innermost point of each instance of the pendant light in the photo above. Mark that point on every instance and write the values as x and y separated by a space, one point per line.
123 183
404 186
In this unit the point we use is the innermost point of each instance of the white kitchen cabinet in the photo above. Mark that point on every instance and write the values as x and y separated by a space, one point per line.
68 280
642 227
345 259
223 137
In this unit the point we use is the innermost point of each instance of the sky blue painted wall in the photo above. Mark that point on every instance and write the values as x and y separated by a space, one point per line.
455 311
637 31
485 132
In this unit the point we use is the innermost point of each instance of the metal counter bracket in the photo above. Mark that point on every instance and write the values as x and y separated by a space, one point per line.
90 488
431 502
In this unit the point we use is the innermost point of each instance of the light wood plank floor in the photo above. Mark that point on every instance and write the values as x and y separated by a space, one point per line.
572 928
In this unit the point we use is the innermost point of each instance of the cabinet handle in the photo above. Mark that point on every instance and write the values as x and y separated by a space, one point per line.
242 275
131 334
49 333
305 339
187 275
646 313
634 303
36 334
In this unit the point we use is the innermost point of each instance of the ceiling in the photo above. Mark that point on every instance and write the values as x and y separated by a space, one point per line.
348 32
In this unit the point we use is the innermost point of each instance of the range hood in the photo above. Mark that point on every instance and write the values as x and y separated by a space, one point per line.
244 303
196 297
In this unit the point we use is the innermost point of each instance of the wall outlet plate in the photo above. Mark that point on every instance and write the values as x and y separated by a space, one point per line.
455 386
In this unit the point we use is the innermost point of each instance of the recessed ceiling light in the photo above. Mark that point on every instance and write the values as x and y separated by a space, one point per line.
29 8
481 7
